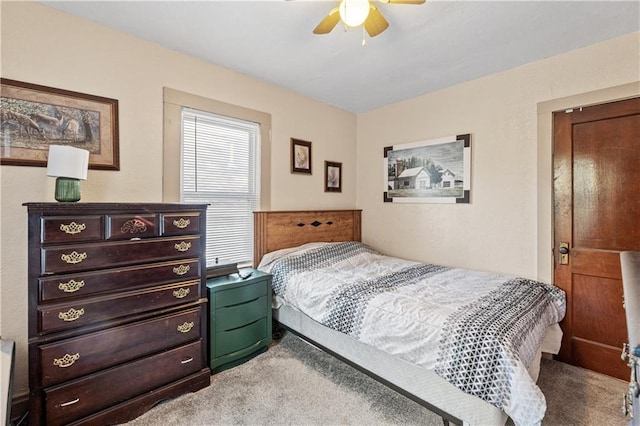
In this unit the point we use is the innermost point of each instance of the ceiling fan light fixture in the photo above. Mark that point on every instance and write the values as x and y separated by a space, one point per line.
354 12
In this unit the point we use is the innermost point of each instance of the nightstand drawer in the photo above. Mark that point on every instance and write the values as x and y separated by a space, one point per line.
235 316
240 338
235 296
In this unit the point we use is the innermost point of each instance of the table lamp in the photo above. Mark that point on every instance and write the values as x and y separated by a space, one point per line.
68 165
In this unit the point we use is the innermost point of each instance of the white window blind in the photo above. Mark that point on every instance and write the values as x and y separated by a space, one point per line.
220 166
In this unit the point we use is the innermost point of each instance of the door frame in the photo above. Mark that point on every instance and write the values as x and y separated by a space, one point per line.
545 219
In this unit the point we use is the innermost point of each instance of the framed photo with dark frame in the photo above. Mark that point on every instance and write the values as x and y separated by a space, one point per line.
33 117
429 171
300 156
332 176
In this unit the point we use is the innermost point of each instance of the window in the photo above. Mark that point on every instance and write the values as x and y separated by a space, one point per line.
218 154
220 167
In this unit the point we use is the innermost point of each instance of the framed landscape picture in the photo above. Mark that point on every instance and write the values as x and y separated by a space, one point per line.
430 171
33 117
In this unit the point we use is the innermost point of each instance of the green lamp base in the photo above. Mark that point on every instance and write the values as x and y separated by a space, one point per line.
67 190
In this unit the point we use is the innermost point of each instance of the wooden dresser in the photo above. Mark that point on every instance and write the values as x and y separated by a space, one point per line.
117 309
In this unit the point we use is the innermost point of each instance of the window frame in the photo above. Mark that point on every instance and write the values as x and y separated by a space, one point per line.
174 101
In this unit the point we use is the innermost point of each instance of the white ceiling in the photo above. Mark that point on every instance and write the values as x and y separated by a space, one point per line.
427 47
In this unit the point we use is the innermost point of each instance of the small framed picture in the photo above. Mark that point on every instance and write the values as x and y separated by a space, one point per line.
300 156
332 176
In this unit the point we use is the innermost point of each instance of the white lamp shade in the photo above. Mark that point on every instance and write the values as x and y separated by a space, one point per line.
354 12
67 161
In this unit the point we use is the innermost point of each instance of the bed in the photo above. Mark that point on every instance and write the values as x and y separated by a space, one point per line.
471 357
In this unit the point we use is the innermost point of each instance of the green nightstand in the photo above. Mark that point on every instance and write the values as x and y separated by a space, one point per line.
239 318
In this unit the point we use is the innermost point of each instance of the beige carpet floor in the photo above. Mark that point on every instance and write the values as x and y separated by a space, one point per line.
294 383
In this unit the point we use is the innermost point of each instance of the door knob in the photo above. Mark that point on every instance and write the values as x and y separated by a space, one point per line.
564 253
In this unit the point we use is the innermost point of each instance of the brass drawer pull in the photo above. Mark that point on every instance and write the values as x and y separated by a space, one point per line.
71 286
71 314
181 292
181 270
74 257
183 246
65 404
186 327
186 361
182 223
133 226
66 361
73 228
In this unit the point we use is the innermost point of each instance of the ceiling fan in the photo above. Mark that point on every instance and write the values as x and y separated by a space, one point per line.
354 13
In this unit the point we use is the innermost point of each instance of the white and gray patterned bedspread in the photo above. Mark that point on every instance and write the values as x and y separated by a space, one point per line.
479 331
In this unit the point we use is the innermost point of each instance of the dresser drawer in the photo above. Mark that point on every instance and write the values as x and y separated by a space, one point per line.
242 294
82 397
82 257
90 283
70 315
127 226
234 340
180 224
72 358
235 316
56 229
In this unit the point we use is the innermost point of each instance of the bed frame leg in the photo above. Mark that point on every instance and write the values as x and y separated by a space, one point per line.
445 422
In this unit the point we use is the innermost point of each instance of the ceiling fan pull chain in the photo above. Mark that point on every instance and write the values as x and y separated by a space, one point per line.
364 35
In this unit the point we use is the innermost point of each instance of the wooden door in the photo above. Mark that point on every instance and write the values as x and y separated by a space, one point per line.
597 212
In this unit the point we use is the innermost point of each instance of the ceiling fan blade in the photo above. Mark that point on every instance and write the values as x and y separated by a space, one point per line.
375 23
328 23
404 1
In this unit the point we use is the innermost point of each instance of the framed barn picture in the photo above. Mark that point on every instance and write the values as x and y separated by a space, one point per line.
429 171
33 117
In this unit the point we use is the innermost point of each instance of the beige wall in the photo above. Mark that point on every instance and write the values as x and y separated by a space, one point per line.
103 62
507 227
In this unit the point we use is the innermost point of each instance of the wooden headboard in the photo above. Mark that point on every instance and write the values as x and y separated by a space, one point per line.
276 230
